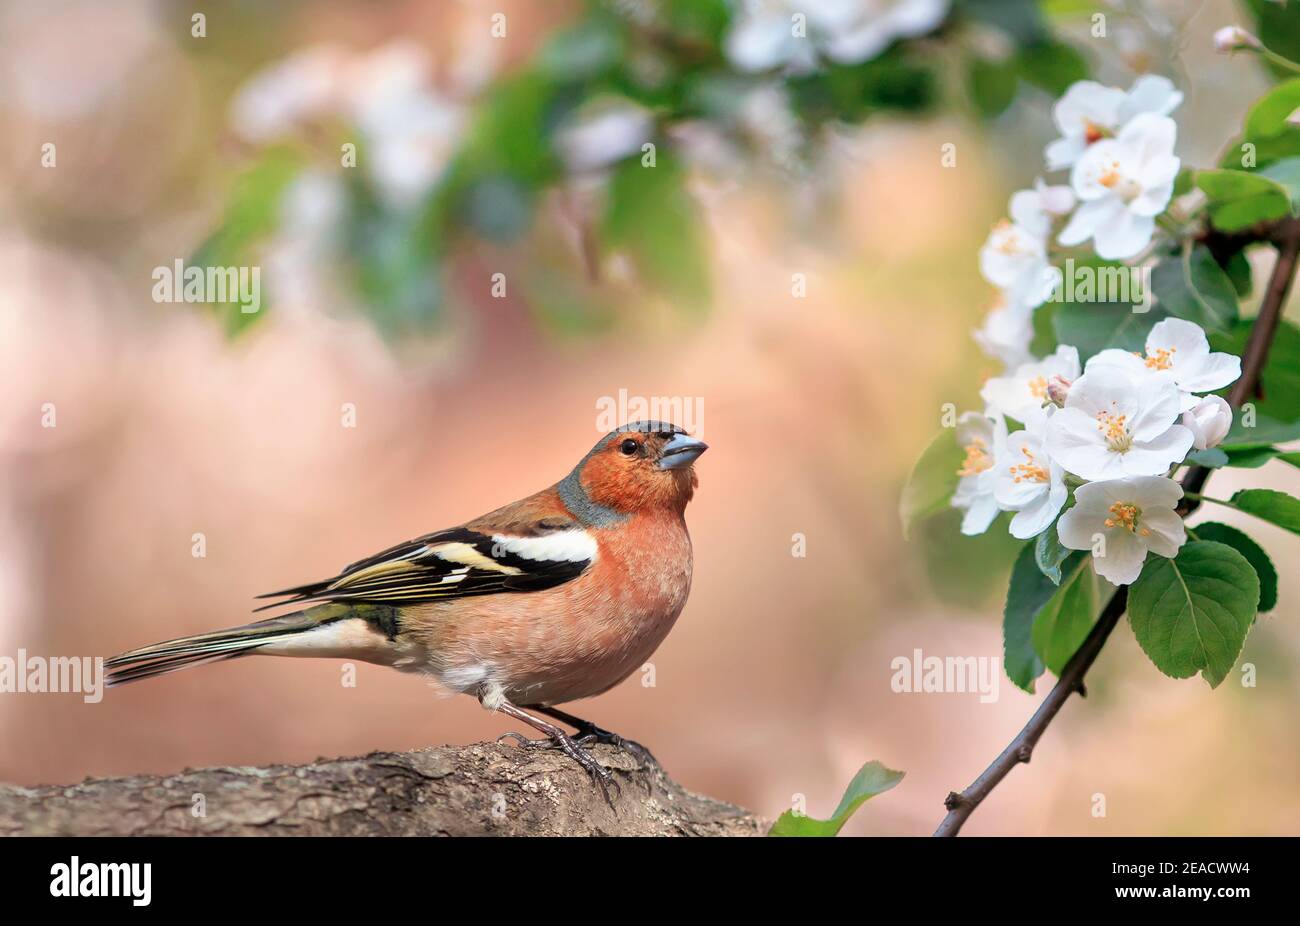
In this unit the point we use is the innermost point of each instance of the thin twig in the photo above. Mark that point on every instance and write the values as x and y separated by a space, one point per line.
960 806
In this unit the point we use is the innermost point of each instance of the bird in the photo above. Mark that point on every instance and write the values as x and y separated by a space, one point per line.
553 598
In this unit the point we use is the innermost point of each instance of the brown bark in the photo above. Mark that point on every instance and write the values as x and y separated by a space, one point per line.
482 789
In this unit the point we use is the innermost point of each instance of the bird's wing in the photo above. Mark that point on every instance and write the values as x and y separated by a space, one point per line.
531 555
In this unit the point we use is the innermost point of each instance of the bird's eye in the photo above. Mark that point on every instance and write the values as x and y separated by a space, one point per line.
629 446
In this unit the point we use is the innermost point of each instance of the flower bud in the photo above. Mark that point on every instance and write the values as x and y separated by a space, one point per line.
1058 388
1209 421
1231 38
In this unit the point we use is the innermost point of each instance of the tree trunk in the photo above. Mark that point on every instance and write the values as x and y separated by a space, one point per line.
482 789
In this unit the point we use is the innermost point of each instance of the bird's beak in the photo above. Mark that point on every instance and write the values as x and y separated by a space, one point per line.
681 451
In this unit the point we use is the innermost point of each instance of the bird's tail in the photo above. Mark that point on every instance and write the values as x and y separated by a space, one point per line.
171 655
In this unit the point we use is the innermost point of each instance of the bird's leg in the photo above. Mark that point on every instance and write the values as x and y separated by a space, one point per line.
588 732
565 743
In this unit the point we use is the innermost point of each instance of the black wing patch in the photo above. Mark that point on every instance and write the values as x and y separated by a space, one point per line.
455 563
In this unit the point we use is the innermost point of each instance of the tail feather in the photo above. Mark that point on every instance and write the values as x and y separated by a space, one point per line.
182 653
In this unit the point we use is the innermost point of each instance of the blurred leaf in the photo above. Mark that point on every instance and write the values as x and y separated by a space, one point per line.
652 217
872 779
1271 505
1192 613
1019 19
1268 117
697 20
252 213
849 93
591 48
965 571
1191 285
1051 65
932 481
396 262
1254 554
992 84
1286 173
1278 26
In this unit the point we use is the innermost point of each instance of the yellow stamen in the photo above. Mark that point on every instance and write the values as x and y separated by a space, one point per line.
977 459
1110 176
1038 387
1029 471
1115 429
1162 359
1092 131
1126 515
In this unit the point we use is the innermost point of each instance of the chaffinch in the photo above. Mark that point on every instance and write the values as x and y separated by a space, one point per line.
555 597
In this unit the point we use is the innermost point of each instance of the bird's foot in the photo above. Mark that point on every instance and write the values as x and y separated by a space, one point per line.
572 748
590 733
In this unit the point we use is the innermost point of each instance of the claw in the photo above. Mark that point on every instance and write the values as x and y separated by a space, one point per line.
522 741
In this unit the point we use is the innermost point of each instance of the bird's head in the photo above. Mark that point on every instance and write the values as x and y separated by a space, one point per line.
643 464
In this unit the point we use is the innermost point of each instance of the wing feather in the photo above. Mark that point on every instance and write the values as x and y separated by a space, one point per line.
458 563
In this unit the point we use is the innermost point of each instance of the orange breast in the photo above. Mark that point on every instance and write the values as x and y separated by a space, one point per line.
575 640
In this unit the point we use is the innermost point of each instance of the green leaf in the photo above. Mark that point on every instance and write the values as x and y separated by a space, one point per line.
1268 117
1239 199
932 481
651 215
1193 286
1049 553
992 84
1286 174
1192 613
1093 327
1279 29
1051 65
1063 623
1255 457
1271 505
1279 383
1211 459
1254 553
252 212
872 779
1028 594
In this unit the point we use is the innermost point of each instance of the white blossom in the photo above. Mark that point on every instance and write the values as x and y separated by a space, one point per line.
1116 424
1120 520
1180 348
1029 482
768 34
983 440
1022 393
1007 331
1090 112
1123 183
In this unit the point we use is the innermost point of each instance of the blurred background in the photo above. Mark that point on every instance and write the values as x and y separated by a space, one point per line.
802 270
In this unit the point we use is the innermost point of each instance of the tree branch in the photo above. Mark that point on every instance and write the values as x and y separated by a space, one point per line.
483 789
1286 236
